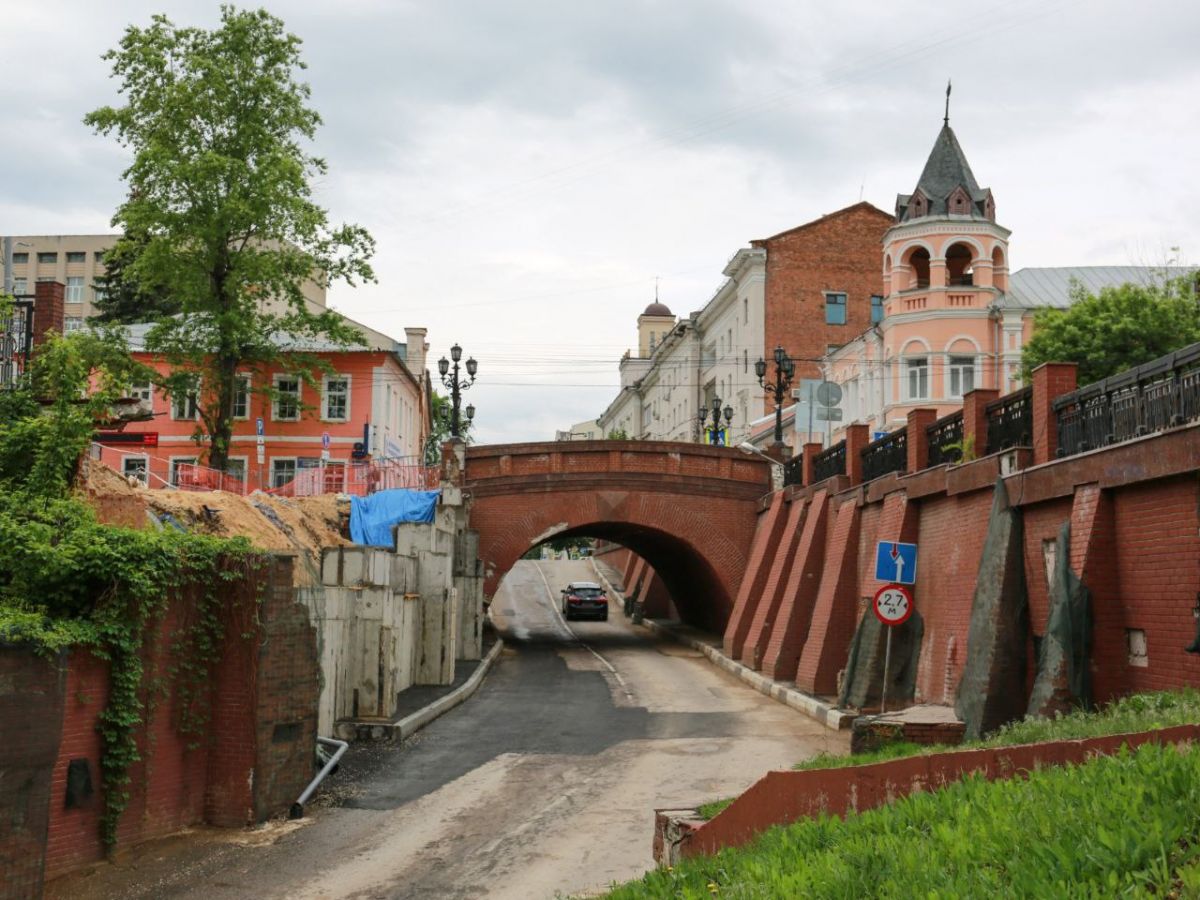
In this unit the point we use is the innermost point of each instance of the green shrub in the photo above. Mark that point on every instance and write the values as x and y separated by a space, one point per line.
1123 825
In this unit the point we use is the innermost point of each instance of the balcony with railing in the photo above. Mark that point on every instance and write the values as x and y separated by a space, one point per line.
793 471
945 440
1153 397
886 455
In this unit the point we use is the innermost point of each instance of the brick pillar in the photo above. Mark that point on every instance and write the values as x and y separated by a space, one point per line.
975 418
858 436
790 628
1050 380
759 632
835 610
809 453
918 440
767 533
48 306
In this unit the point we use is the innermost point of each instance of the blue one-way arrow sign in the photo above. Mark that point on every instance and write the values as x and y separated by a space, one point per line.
896 563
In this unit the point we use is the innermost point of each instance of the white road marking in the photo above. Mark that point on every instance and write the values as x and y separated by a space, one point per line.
567 628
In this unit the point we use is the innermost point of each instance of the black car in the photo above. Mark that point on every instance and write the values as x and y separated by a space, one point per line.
583 599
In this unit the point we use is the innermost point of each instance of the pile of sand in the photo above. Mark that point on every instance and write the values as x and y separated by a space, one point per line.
302 524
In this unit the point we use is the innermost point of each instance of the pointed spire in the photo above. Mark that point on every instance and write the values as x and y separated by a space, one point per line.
946 120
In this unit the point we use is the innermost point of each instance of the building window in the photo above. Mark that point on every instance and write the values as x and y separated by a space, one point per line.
76 257
337 398
181 469
136 467
287 399
835 309
99 256
184 403
746 310
142 391
962 375
48 259
745 360
97 295
74 292
283 471
876 309
20 259
72 324
917 380
20 286
241 397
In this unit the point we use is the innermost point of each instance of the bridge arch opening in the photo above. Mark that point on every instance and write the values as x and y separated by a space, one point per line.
697 592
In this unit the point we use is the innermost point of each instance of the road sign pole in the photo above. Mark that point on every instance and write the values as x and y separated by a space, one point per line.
810 414
887 665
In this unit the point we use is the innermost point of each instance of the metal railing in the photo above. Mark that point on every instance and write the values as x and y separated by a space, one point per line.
1161 394
793 471
1010 421
945 440
886 455
829 462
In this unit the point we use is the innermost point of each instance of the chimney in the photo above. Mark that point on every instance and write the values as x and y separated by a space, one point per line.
417 348
48 306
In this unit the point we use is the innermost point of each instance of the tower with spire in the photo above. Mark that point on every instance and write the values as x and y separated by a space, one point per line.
945 266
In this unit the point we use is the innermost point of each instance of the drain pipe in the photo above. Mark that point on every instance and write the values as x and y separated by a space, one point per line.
297 810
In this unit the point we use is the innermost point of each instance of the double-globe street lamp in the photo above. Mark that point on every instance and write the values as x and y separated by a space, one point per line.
451 380
785 371
716 433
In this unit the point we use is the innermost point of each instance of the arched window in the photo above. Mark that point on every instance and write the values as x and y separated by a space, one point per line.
918 264
958 265
999 275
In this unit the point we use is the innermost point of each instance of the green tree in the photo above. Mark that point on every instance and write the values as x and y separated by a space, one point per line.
439 431
121 296
617 434
217 123
1117 329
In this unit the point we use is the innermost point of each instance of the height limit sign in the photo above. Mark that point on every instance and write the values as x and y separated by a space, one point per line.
893 604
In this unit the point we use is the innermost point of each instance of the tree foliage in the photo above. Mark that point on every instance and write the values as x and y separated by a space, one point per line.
121 296
1117 329
220 213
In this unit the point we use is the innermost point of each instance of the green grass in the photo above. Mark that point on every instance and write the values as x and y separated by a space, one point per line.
1138 712
1118 826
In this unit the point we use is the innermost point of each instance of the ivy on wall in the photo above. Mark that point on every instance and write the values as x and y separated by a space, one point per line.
68 581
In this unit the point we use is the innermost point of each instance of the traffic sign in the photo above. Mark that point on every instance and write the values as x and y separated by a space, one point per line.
261 455
258 426
324 440
828 414
893 605
829 393
896 563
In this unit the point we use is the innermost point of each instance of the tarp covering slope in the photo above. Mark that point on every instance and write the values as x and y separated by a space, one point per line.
372 517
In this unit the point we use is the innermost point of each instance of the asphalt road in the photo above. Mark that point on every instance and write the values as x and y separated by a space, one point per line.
545 781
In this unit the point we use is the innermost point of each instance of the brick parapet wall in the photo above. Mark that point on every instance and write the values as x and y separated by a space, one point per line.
49 310
1050 380
255 753
32 692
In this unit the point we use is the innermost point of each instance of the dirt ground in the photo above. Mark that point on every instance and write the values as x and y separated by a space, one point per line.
301 524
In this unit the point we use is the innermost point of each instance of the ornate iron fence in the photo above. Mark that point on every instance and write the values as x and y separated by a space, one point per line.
830 462
1153 397
945 438
793 471
16 342
888 454
1010 421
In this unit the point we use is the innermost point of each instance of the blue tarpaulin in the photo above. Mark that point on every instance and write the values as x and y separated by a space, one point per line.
372 517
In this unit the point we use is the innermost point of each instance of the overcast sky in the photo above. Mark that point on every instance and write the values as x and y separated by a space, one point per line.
529 168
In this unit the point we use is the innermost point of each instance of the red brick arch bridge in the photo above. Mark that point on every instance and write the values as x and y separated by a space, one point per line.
689 510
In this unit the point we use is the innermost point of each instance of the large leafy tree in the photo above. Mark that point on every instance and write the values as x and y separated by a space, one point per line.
1117 329
218 124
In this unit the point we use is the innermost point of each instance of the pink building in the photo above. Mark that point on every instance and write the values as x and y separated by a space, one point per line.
954 318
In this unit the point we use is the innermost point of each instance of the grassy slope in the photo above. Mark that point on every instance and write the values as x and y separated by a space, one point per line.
1125 825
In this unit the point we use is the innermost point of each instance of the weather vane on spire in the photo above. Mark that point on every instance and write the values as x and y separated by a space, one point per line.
946 121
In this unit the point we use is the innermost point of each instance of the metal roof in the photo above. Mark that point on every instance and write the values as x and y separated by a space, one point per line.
1035 288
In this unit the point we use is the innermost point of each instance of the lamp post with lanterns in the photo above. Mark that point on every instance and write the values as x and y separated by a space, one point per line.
716 434
450 378
785 371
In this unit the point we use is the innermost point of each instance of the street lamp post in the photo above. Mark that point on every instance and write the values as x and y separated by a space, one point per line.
715 431
785 370
456 385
